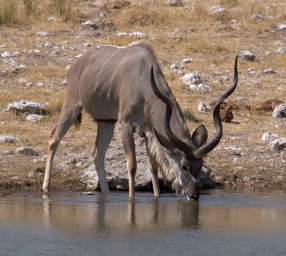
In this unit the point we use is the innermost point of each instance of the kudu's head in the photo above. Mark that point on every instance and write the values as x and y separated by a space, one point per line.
188 158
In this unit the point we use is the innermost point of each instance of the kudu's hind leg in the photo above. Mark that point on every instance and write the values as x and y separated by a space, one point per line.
68 117
103 138
129 149
154 171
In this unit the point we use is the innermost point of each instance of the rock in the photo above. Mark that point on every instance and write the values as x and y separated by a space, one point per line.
42 34
203 108
192 78
187 60
281 27
24 106
268 137
137 34
8 54
7 152
40 84
122 34
259 17
269 71
248 55
27 151
90 23
175 2
217 9
278 144
200 88
50 19
117 178
279 111
99 24
79 56
281 51
90 178
8 139
174 66
64 82
36 52
34 118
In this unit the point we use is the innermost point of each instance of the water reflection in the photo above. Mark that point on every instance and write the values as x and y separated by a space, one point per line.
76 213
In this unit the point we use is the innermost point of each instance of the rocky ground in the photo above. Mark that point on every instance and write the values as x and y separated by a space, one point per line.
196 42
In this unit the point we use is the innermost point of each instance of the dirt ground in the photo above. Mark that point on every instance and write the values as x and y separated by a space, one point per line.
37 70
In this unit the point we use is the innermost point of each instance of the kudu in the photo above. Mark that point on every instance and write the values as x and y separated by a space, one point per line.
126 85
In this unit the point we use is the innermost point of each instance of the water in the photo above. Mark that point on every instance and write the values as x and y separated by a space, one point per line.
75 224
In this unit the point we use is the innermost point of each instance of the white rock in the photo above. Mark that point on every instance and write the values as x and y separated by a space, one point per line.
187 60
175 2
64 82
137 34
40 84
216 9
79 56
278 144
203 108
268 137
248 55
281 50
90 23
27 106
8 139
90 178
122 34
281 27
36 51
42 34
87 45
201 88
34 118
259 17
279 111
174 66
191 78
269 71
50 19
8 54
28 151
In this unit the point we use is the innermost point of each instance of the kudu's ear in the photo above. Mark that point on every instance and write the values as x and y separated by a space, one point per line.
200 136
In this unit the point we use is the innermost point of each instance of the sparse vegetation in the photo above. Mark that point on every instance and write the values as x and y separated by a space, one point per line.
29 6
8 12
190 116
31 11
230 3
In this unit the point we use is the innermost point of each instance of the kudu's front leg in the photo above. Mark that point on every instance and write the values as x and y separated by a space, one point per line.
69 115
129 149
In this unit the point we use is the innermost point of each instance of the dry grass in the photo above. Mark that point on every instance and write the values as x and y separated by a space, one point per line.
23 12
